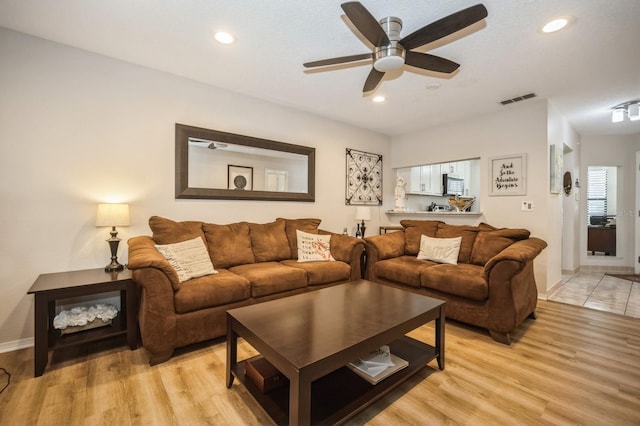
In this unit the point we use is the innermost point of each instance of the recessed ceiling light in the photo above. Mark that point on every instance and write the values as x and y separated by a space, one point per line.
378 99
434 86
223 37
555 25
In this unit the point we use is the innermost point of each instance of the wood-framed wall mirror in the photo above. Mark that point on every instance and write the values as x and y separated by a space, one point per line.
211 164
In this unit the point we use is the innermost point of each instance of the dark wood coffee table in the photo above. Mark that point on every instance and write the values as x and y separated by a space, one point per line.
311 337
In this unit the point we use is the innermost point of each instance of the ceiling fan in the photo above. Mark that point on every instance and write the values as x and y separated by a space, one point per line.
390 52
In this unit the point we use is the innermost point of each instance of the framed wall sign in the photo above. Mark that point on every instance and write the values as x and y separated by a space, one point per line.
364 178
508 175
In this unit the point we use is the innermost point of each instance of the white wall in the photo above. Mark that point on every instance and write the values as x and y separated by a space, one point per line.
563 211
620 152
78 129
520 128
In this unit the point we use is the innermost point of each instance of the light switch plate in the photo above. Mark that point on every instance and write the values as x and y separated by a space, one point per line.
527 206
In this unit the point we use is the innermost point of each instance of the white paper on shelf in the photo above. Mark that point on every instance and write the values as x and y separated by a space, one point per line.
375 362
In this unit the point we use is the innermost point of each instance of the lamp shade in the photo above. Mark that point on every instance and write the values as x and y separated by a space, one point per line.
112 215
363 213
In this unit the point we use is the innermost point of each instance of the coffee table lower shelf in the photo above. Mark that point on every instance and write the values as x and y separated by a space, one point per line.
341 394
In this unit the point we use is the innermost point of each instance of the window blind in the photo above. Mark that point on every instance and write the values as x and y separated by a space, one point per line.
596 193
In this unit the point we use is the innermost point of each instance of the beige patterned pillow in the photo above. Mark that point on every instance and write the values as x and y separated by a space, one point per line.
443 250
189 258
313 247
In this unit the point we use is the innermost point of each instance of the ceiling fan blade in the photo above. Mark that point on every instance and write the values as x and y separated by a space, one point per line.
445 26
340 60
430 62
365 23
373 80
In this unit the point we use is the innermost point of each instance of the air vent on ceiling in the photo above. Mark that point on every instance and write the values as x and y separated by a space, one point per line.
518 98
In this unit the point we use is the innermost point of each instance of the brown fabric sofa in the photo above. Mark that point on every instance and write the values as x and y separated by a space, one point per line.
492 285
255 263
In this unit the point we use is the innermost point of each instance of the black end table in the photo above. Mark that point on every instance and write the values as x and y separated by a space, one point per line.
48 288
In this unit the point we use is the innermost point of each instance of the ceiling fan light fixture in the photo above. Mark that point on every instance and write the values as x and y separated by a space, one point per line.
389 58
389 63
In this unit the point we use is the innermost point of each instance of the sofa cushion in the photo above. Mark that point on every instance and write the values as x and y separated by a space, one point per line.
413 230
313 247
229 245
464 280
271 277
167 231
269 241
189 258
490 242
403 269
211 290
322 272
309 225
442 250
468 234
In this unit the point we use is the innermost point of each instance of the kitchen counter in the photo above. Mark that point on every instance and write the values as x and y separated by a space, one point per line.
436 213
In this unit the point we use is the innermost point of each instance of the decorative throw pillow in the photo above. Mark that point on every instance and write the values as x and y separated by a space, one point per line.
189 258
443 250
313 247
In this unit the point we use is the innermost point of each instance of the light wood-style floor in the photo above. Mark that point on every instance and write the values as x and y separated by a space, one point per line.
570 366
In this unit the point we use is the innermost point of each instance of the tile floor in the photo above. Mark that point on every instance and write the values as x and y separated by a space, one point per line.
598 291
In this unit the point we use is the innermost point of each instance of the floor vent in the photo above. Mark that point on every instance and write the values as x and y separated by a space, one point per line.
518 99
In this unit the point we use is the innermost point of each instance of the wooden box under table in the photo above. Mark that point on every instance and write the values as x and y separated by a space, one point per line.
264 375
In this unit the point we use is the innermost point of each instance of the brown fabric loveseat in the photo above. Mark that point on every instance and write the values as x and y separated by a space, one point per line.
491 286
254 263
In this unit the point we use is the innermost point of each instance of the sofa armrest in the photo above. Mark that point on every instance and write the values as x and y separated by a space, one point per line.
143 254
385 246
380 247
521 252
345 248
513 292
157 313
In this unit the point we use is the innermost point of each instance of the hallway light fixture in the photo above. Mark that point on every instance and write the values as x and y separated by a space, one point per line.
630 108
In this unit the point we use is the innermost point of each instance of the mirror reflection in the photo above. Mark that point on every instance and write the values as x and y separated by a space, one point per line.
601 210
212 164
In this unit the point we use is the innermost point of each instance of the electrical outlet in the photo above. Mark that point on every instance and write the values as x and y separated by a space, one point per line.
527 206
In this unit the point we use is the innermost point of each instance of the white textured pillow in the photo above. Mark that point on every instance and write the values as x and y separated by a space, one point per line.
313 247
189 258
443 250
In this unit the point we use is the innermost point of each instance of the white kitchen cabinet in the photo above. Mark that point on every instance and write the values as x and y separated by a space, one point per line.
435 182
427 179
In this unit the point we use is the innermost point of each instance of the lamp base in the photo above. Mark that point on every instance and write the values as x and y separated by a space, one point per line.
114 266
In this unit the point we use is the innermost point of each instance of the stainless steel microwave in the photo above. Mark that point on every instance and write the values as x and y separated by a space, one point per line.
452 185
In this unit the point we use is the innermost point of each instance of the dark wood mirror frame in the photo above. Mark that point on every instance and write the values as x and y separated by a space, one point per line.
184 132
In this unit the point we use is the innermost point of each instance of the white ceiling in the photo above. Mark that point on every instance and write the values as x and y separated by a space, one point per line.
584 70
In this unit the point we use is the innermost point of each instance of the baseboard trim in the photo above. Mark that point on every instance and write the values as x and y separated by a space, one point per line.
16 344
606 268
571 271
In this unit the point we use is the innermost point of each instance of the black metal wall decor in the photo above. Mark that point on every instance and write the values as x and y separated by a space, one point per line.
364 178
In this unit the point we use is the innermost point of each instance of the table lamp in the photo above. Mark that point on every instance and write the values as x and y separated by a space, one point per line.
362 213
113 215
